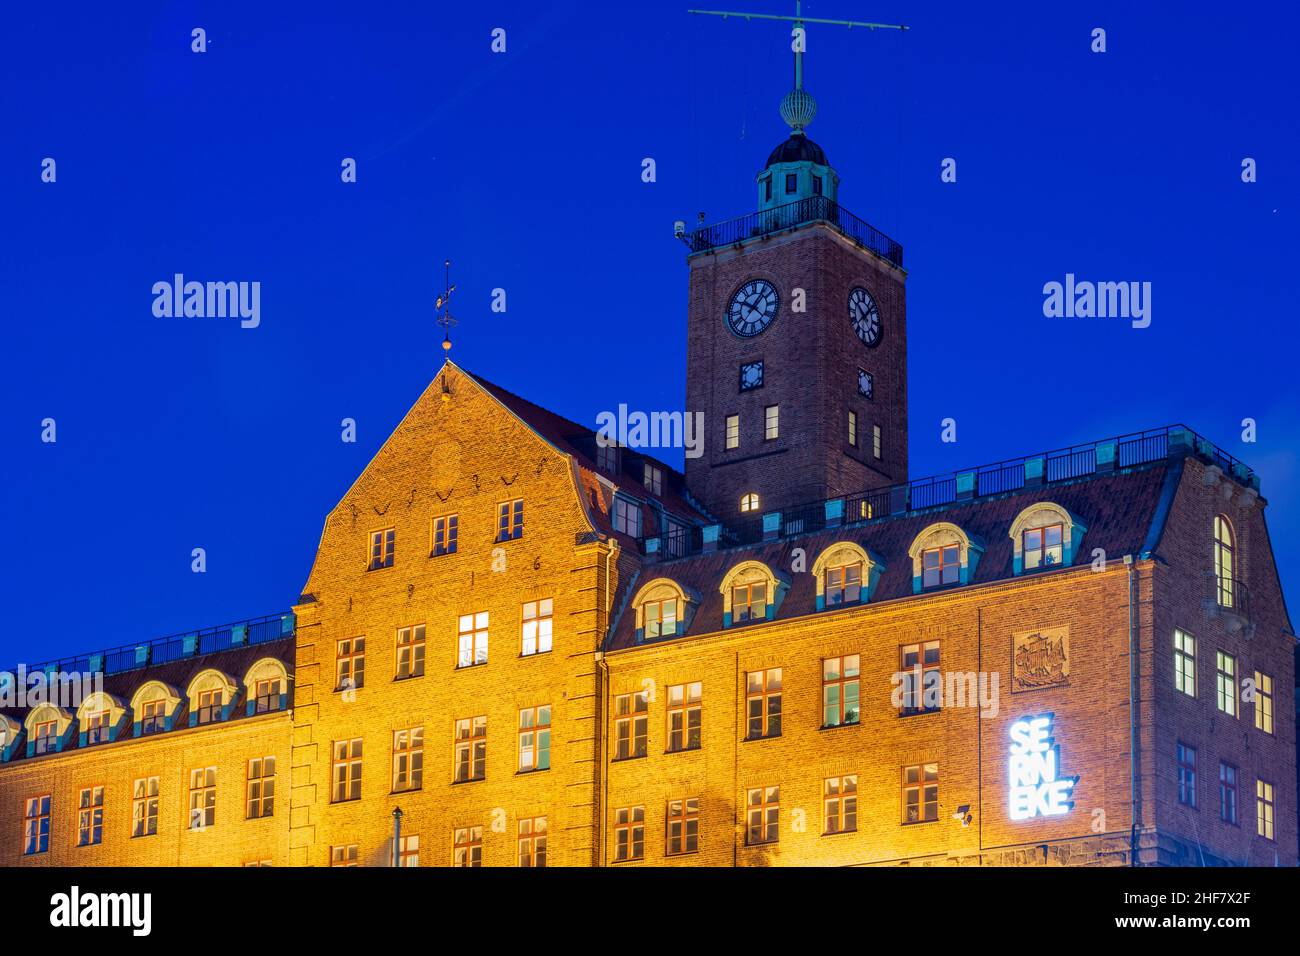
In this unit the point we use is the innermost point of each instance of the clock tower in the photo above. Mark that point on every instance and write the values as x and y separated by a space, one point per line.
796 343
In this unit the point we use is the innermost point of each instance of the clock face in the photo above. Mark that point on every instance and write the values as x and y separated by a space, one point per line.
751 376
866 384
752 308
865 317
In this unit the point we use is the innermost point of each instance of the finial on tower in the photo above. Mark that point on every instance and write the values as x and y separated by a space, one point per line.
443 306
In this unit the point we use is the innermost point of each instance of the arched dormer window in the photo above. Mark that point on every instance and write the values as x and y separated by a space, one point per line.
266 686
751 592
10 731
1045 535
846 574
211 695
99 718
1225 563
154 707
663 609
47 729
943 555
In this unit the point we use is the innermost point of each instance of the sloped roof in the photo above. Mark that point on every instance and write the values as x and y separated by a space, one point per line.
1120 511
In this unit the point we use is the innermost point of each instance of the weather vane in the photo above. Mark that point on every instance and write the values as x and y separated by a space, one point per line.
443 306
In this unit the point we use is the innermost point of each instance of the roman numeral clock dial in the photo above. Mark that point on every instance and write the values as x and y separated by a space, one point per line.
865 317
752 308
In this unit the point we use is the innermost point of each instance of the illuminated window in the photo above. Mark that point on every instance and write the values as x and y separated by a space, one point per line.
153 717
1224 563
97 727
266 695
840 690
467 847
660 617
1187 775
749 502
653 479
410 652
471 748
748 602
345 855
46 736
90 816
733 431
922 683
445 530
535 738
1228 793
1225 678
843 585
1184 663
771 422
840 804
532 841
685 714
211 703
875 442
36 825
1263 702
631 725
350 663
203 797
472 640
144 807
682 829
627 517
408 850
853 429
510 520
763 703
1043 547
536 627
346 771
408 759
940 566
762 816
921 793
381 549
629 834
1264 809
260 792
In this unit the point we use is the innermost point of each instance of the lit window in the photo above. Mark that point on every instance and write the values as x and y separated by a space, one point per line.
627 517
685 713
653 479
350 663
1224 563
211 703
467 847
346 771
682 827
921 793
853 429
144 807
840 804
1228 793
922 684
1184 663
535 738
748 602
97 727
471 748
1187 775
840 690
660 617
940 566
733 431
410 652
381 549
1264 809
46 736
1263 702
631 724
408 850
36 825
763 703
629 834
152 717
266 695
408 759
875 442
749 502
203 797
1226 682
843 585
771 422
260 794
472 643
1042 547
510 520
532 841
445 529
346 855
90 817
536 627
762 816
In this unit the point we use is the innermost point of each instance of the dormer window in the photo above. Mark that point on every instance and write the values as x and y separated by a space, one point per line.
843 585
663 609
1044 535
627 517
266 696
210 694
943 555
653 479
660 618
210 704
1042 547
46 736
97 727
751 592
940 566
607 458
748 602
846 575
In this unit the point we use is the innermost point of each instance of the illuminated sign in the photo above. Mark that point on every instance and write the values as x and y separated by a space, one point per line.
1037 789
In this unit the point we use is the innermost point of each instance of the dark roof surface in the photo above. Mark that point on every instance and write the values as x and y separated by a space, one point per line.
798 149
1117 510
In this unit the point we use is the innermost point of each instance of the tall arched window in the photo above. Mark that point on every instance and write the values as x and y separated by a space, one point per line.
1225 562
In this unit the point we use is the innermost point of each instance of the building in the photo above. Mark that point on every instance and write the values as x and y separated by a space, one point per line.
545 649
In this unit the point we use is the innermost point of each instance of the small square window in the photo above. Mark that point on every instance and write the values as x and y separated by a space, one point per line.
751 376
866 384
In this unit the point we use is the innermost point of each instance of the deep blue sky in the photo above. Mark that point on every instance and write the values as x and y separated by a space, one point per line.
524 168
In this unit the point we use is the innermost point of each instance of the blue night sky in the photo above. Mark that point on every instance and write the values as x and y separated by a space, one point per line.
524 168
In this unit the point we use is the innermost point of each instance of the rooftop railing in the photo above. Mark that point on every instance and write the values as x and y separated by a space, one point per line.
767 222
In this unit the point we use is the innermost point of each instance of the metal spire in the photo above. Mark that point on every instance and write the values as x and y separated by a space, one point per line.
443 306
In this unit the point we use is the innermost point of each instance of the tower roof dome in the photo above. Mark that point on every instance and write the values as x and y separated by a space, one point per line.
798 149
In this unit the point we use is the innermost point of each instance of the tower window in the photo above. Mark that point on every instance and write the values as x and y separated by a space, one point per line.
875 441
817 185
791 183
749 502
771 422
733 431
1224 562
751 376
767 187
853 429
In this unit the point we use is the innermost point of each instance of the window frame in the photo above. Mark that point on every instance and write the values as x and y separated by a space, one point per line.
767 716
